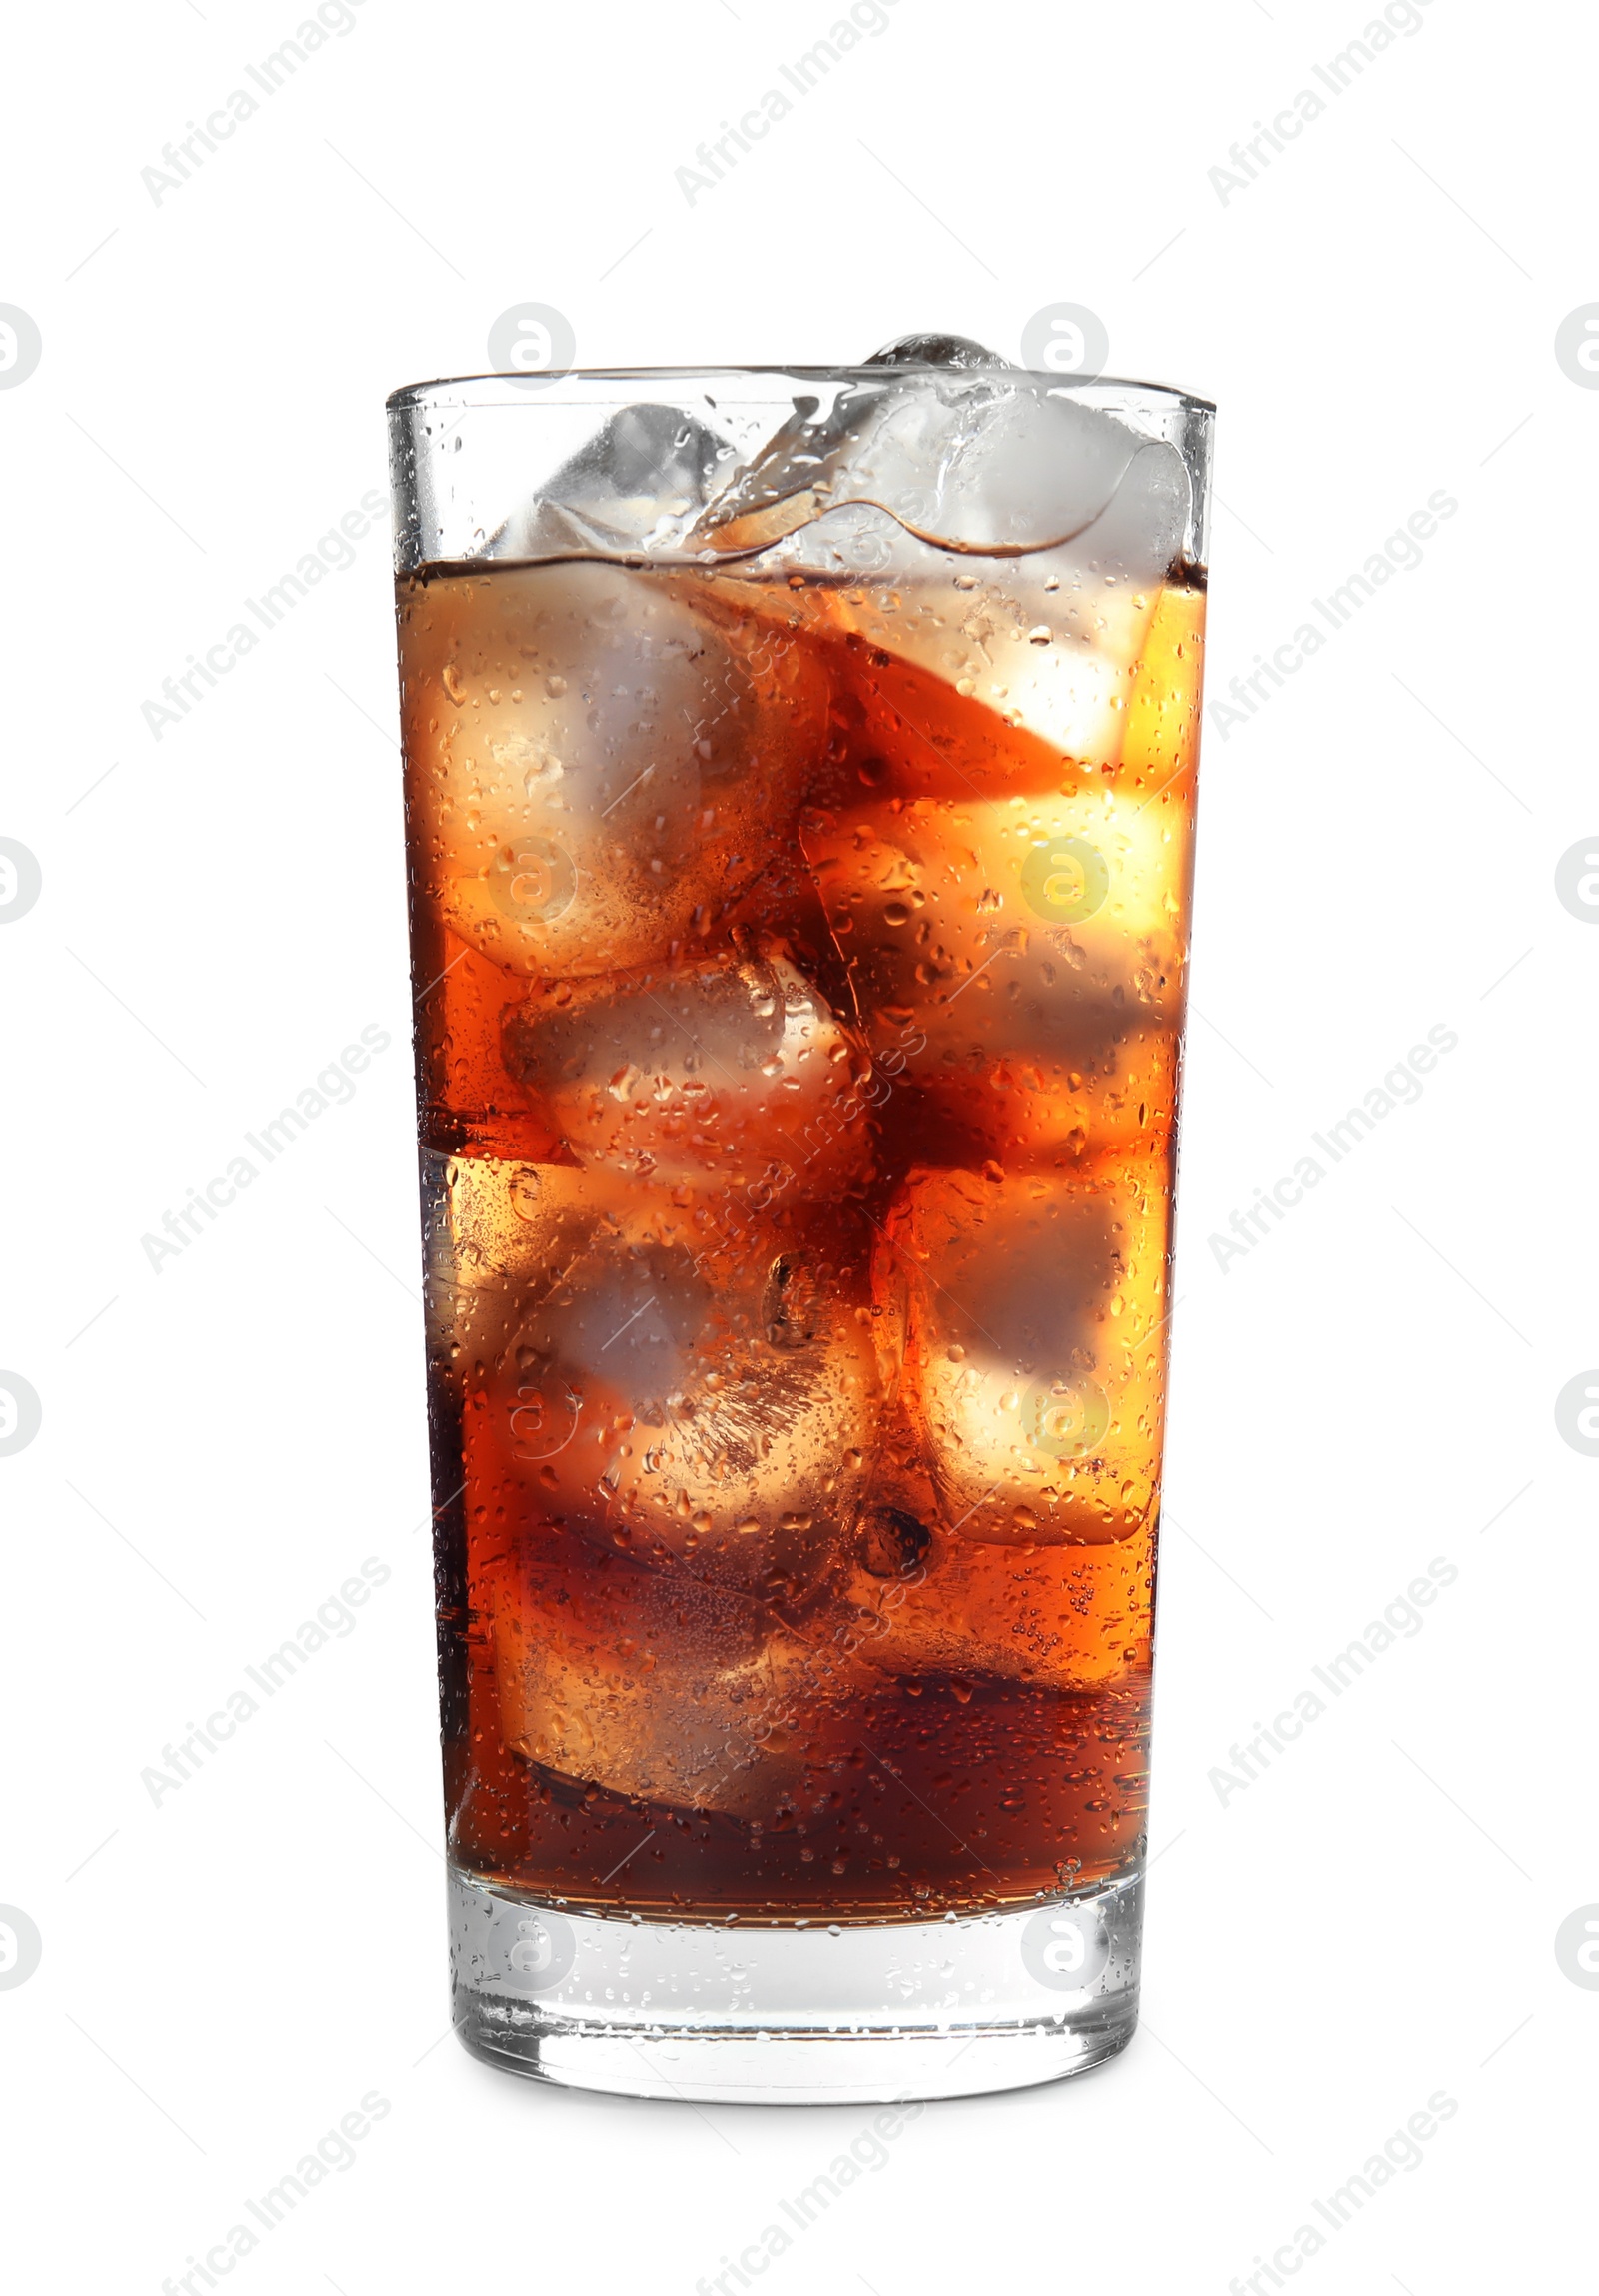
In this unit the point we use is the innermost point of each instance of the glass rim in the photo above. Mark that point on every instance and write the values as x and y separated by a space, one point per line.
499 388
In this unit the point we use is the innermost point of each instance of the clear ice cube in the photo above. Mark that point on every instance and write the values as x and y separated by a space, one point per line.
984 461
1034 1309
989 526
639 482
697 1386
934 351
726 1071
661 1688
604 765
1061 1618
1025 953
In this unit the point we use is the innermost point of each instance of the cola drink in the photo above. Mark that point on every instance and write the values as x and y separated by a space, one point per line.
799 821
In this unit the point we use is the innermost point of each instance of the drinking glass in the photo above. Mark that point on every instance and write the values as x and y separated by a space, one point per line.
800 783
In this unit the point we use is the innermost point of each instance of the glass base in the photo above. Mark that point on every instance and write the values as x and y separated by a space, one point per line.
734 2012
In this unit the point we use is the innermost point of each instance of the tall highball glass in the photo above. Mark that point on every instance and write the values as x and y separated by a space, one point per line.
799 786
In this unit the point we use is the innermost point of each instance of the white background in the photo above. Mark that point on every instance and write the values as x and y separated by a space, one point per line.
1372 1920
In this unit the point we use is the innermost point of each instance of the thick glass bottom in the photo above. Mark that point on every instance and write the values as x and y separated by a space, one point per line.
734 2012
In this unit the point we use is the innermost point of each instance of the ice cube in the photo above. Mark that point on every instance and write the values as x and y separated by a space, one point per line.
1035 1314
1072 516
496 1232
639 481
597 767
654 1686
971 460
1046 651
1047 645
697 1386
1024 957
909 730
1063 1616
934 351
726 1072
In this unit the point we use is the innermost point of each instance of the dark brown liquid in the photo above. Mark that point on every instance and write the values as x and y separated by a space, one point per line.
797 1053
